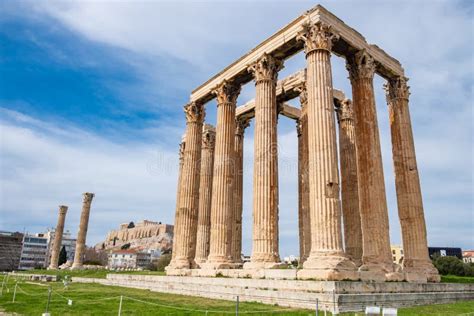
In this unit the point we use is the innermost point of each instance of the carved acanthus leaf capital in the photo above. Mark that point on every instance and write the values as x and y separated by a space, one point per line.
317 36
227 92
194 112
301 88
87 197
266 68
397 89
360 66
208 136
241 123
344 110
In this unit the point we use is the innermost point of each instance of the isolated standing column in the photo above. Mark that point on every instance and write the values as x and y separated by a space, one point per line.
205 194
265 179
58 238
82 234
182 146
187 215
222 205
416 262
349 184
326 260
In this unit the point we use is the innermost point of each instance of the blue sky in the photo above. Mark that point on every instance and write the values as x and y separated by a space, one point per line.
91 97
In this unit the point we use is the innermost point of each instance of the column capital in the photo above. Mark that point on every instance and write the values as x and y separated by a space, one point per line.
317 36
301 88
87 197
360 66
241 124
397 88
208 136
226 92
266 68
195 112
299 128
62 209
344 110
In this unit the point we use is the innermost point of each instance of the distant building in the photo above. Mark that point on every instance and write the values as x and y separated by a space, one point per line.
34 252
468 256
68 242
10 250
128 259
290 259
397 254
445 251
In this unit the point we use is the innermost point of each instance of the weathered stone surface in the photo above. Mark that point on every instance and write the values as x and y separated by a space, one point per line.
58 237
82 233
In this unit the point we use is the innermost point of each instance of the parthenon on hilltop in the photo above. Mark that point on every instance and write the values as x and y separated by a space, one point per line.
342 215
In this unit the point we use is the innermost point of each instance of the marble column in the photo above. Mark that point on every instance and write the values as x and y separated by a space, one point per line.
377 262
327 260
187 215
349 186
265 179
240 125
416 263
58 238
182 146
205 193
82 234
304 225
222 204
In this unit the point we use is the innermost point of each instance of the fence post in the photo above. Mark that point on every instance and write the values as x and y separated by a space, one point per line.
317 307
3 284
49 300
14 292
237 306
120 306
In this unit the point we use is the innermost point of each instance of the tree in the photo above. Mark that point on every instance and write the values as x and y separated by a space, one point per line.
452 265
162 262
125 246
131 225
62 256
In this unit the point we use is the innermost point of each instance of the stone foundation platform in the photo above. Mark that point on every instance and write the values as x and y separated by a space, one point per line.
335 296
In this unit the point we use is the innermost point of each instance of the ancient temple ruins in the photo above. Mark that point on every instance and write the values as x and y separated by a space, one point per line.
343 216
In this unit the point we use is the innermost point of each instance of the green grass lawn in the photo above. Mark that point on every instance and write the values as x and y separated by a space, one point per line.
88 273
96 299
456 279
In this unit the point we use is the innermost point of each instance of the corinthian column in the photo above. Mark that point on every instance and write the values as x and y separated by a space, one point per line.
240 125
265 178
205 193
82 234
58 238
377 257
186 218
304 224
416 262
326 260
180 174
349 189
224 170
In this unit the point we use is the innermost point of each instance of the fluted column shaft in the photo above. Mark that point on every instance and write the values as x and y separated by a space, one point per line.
349 186
224 170
58 237
187 215
265 179
182 145
304 224
82 234
241 125
327 259
410 204
377 257
205 194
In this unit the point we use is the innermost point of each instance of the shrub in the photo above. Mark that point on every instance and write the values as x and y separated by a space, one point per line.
453 266
163 262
